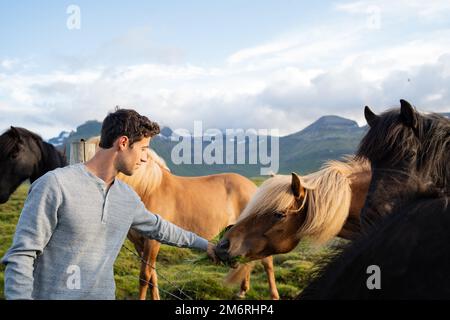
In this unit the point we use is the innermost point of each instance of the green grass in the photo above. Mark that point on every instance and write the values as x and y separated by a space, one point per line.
176 267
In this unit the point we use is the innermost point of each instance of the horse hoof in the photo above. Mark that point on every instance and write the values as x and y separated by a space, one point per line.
240 295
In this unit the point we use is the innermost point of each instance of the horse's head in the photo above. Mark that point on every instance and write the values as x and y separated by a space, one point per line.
409 153
394 138
14 162
269 224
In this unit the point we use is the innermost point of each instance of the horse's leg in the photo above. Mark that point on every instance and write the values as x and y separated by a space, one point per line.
268 266
154 279
137 240
245 284
148 274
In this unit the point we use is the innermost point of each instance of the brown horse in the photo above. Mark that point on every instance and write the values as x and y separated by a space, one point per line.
204 205
286 209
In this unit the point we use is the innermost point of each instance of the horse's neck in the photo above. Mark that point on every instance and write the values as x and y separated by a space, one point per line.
47 159
38 163
159 191
359 185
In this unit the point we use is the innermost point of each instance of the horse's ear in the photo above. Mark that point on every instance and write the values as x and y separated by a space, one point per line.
296 186
16 134
14 131
371 117
408 114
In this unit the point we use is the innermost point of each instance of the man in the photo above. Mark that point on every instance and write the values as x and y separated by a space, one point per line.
75 220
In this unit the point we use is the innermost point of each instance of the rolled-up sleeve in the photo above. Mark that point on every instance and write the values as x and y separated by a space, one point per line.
34 229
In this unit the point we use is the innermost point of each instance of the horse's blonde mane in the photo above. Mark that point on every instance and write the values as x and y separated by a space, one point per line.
328 196
148 177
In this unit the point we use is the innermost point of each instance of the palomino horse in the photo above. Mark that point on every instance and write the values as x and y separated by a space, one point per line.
406 215
285 209
24 155
204 205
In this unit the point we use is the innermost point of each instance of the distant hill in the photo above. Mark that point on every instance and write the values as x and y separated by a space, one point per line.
330 137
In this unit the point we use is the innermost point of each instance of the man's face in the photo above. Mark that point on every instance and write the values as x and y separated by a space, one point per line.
131 158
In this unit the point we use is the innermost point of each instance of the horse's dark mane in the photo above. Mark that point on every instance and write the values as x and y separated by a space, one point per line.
6 145
383 138
24 155
390 138
435 155
9 139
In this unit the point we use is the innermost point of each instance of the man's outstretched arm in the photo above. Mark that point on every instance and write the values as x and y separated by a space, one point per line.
154 227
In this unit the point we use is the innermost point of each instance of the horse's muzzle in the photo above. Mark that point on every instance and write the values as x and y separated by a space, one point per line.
221 250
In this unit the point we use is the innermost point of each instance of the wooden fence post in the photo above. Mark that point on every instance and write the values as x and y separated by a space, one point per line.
81 151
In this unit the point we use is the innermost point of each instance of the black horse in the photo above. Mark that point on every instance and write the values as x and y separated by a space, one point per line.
406 218
409 153
24 155
411 248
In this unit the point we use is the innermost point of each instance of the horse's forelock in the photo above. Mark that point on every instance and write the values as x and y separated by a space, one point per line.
273 195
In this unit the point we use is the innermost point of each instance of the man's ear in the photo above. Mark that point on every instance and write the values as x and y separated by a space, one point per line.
122 142
296 186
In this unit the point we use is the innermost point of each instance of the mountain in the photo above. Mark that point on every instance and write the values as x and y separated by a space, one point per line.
59 140
330 137
85 131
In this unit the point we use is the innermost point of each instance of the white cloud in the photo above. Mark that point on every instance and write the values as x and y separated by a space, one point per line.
429 10
9 64
332 68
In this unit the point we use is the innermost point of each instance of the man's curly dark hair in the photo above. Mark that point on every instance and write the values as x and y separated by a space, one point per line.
126 122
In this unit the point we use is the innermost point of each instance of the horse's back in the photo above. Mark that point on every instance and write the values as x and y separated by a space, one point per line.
238 189
204 204
231 184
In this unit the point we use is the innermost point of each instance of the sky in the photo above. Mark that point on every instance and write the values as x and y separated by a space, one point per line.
231 64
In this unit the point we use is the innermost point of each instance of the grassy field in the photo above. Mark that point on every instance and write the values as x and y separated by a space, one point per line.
177 268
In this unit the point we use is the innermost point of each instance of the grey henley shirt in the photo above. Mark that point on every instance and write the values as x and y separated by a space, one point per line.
70 232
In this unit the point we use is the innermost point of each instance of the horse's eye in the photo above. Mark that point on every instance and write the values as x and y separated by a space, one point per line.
280 215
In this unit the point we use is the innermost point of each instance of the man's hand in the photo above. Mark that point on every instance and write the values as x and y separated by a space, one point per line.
211 253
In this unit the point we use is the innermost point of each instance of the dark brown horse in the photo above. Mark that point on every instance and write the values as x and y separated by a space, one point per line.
410 155
24 155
